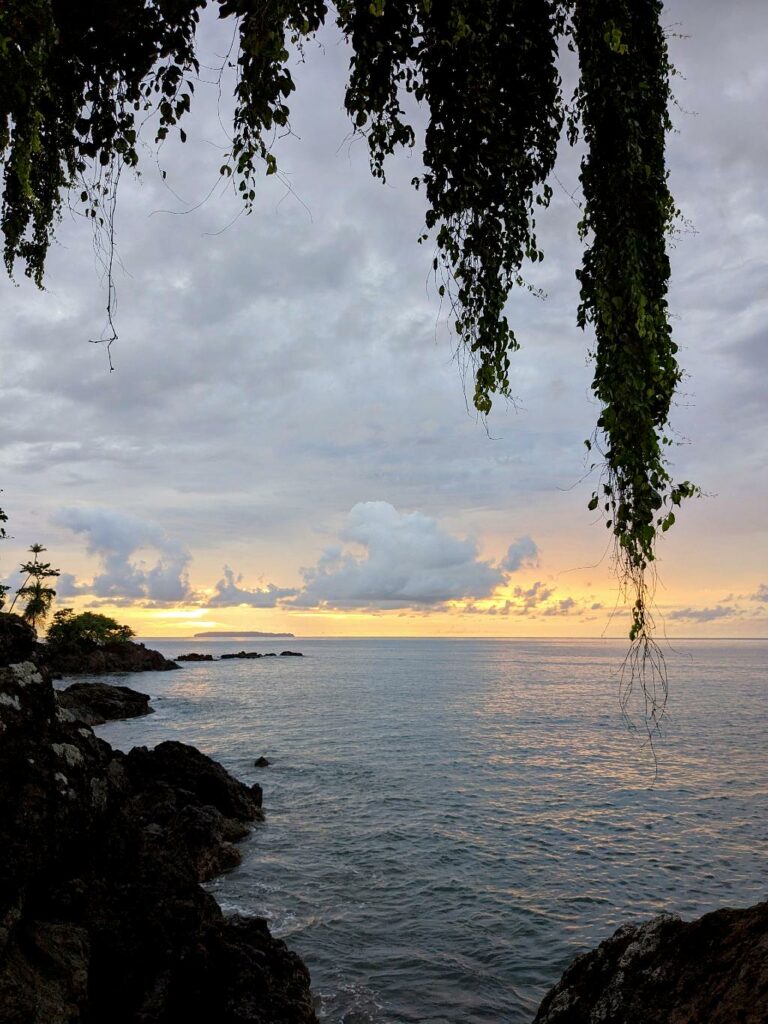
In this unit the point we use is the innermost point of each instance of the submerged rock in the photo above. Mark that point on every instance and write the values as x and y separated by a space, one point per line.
242 654
101 914
194 657
261 762
710 971
291 654
96 703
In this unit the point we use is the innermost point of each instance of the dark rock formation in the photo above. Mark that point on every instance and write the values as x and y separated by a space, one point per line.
194 657
291 654
261 762
101 914
710 971
121 657
95 703
242 654
18 641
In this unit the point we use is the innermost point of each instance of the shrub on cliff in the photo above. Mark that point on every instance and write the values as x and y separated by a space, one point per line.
88 630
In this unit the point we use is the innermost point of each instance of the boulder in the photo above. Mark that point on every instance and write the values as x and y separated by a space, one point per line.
261 762
291 654
95 703
710 971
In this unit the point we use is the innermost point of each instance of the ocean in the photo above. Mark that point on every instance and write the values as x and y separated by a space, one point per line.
449 822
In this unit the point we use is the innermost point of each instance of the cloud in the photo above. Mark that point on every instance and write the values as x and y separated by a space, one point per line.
390 559
761 593
531 597
67 586
521 552
561 608
118 540
704 614
229 594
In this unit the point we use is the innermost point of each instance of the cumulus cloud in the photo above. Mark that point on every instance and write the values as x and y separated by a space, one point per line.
521 552
529 597
761 594
229 593
391 559
119 541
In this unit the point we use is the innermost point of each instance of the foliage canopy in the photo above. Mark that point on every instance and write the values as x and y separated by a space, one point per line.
78 81
86 630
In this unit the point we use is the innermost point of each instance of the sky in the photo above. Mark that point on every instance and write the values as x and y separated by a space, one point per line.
286 443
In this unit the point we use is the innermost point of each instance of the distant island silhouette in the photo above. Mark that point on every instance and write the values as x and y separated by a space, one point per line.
229 634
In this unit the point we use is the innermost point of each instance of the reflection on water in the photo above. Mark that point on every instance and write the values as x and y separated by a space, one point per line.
449 822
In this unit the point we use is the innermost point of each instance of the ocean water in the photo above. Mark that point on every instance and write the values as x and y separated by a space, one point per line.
450 821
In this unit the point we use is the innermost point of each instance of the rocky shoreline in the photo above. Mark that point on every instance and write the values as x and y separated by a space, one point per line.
102 915
103 918
128 656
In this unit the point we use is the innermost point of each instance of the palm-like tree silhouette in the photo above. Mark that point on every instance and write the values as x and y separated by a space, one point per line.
34 591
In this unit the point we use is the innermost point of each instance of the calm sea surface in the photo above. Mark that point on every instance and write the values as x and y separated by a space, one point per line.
450 821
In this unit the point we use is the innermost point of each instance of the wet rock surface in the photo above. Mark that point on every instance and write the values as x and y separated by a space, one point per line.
710 971
95 703
101 914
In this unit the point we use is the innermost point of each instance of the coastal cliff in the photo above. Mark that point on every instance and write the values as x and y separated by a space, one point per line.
102 917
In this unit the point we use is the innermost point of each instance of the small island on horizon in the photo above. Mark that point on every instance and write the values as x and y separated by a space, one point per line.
229 634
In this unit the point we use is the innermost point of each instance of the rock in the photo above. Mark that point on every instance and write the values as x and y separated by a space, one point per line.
95 703
102 917
18 641
196 779
710 971
242 654
119 657
261 762
291 654
194 657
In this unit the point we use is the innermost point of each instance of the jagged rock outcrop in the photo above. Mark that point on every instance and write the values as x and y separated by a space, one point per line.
710 971
120 657
101 914
194 656
96 703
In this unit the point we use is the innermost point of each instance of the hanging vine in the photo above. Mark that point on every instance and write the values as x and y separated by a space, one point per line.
79 80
